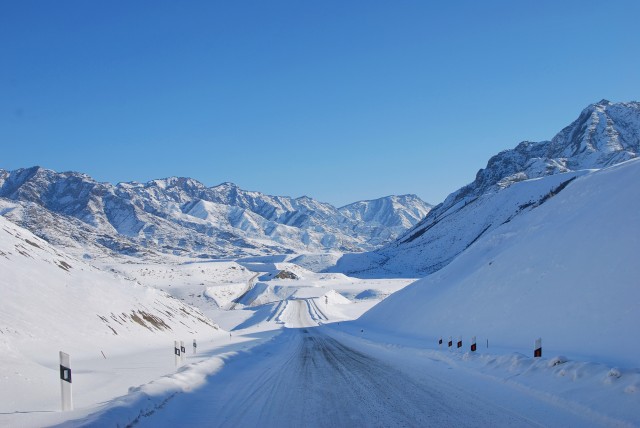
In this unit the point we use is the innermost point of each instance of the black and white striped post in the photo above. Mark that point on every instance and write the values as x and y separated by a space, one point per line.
459 342
183 350
450 342
176 352
65 382
537 350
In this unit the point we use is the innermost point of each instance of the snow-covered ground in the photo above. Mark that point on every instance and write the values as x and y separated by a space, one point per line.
566 272
121 347
307 348
53 302
340 375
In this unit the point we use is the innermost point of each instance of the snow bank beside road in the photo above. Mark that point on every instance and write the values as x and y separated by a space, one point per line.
606 395
566 271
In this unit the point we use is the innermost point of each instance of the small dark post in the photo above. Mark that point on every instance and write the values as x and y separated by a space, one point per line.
473 344
537 350
450 342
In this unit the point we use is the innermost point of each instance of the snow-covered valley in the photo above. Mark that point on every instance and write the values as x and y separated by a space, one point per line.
323 348
542 246
245 297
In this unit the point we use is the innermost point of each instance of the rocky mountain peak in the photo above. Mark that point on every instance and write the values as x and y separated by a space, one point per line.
604 134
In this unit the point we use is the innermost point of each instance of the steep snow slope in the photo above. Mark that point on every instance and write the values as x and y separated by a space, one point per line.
604 134
566 271
50 301
183 217
457 229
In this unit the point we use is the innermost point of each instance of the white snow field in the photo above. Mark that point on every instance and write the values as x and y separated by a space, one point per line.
119 326
566 271
52 302
323 349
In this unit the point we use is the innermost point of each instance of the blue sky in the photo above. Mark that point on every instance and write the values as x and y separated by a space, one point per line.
337 100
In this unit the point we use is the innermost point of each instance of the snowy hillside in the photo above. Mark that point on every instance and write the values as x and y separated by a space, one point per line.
181 216
392 215
566 271
50 301
604 134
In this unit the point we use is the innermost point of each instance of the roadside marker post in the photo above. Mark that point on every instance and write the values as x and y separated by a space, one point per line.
537 350
450 342
459 342
65 382
440 342
183 350
176 352
195 345
473 344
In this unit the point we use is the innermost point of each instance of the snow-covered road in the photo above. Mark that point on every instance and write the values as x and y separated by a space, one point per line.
306 377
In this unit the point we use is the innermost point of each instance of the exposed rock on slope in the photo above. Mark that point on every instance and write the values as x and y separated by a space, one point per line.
604 134
181 216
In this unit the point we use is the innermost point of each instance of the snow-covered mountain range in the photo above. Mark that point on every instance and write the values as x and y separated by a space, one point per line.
604 134
183 217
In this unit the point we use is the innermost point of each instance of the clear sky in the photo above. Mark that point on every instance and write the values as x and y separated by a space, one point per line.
337 100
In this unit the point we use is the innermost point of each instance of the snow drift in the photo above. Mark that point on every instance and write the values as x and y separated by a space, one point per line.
566 271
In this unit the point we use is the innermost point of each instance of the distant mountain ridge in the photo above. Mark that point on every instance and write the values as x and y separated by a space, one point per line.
604 134
182 216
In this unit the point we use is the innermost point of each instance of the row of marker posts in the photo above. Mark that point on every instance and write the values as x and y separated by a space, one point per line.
537 349
65 372
180 352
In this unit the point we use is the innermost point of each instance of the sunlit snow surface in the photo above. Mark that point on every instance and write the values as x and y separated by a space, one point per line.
564 271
